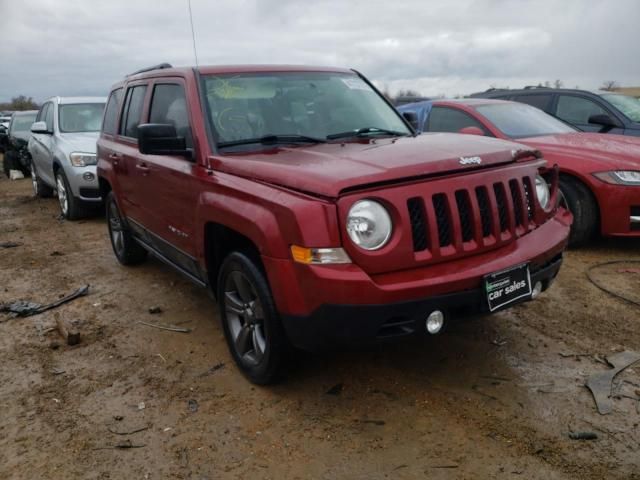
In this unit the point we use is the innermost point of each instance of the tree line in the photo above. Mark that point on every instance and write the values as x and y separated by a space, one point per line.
21 102
608 85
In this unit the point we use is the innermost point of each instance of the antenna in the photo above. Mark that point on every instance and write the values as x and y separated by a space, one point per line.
193 34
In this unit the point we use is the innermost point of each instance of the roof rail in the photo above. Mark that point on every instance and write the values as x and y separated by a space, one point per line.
533 87
160 66
494 89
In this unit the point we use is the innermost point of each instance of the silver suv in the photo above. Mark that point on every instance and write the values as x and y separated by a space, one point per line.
63 152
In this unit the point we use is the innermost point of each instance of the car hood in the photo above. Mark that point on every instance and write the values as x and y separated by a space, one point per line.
329 169
79 142
609 151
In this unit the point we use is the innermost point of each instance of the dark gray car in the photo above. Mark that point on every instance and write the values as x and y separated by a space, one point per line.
16 156
590 111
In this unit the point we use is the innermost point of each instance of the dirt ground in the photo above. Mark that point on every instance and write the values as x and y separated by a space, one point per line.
494 397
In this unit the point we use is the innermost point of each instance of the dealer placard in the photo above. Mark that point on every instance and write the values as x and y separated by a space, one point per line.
507 287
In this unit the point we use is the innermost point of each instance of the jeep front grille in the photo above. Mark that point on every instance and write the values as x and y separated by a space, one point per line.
470 219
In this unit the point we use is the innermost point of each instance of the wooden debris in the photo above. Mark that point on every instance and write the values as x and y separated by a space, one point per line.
68 331
170 328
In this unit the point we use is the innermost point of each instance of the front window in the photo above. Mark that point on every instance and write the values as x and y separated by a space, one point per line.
80 117
22 123
517 120
629 106
305 104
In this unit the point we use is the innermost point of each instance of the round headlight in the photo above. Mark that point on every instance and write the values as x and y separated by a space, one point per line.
369 225
542 191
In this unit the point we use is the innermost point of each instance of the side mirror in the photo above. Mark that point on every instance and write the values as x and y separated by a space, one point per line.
412 118
471 131
161 139
40 127
604 120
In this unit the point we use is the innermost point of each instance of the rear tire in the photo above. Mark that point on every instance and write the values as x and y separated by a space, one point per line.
40 189
251 323
582 205
125 248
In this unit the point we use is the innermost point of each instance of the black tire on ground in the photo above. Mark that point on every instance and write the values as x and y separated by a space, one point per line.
584 208
252 326
26 170
10 161
40 189
125 248
71 207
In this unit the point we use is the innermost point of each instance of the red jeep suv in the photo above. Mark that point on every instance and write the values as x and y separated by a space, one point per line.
307 204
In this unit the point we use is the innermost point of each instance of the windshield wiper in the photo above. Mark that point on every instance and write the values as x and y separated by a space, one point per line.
360 132
273 140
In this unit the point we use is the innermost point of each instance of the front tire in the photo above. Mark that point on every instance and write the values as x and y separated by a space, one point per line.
40 189
250 320
10 162
70 206
580 202
125 248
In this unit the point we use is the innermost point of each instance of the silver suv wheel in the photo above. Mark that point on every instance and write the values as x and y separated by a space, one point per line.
62 194
34 179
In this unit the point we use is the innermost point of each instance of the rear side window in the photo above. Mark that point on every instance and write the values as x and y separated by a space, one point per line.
442 119
111 113
169 106
577 110
539 101
133 111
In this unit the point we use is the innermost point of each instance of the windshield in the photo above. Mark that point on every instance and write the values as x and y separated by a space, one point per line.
629 106
517 120
22 123
304 104
81 117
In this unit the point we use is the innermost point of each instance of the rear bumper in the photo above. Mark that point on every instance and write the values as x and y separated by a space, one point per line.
335 325
316 300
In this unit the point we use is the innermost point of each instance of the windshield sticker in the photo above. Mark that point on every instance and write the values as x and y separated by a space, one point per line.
225 90
355 83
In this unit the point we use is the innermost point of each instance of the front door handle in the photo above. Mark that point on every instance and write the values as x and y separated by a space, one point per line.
142 166
115 158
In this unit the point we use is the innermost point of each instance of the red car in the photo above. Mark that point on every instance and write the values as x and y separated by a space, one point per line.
314 213
599 174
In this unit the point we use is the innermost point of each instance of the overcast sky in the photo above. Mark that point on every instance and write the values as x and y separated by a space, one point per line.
65 47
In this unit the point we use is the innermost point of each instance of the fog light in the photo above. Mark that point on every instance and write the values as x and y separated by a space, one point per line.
88 176
435 321
537 290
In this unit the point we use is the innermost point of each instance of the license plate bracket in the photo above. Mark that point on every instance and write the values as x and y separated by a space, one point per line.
507 287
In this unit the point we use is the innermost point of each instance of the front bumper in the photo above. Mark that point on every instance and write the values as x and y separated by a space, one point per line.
83 187
335 325
619 210
316 300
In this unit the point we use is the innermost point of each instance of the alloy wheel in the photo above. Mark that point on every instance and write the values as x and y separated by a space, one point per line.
34 179
245 318
62 195
115 229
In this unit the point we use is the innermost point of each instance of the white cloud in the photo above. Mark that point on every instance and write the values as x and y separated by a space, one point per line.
437 47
